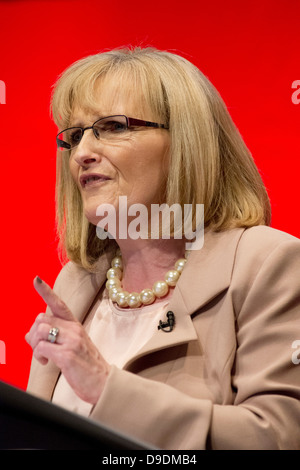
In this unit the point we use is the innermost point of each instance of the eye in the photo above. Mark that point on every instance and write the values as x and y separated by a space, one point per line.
115 126
75 136
110 126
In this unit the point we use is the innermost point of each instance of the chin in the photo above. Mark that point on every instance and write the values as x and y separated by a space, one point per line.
90 214
94 219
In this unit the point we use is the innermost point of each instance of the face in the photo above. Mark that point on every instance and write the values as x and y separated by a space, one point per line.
135 166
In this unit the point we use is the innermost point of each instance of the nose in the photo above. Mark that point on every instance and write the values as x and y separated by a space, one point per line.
87 151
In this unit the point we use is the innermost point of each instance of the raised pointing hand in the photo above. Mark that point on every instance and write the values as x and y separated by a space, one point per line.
73 351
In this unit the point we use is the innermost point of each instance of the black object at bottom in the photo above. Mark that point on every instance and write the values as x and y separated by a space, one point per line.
27 422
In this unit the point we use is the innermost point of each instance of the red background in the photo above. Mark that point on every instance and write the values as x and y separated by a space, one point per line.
250 52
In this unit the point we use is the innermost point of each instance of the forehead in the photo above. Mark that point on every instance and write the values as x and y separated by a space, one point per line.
111 95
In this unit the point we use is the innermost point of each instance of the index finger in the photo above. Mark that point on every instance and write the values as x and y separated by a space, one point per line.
57 306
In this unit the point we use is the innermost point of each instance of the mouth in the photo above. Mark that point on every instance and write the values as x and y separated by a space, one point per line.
92 179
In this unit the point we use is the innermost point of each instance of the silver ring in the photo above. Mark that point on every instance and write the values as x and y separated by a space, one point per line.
52 336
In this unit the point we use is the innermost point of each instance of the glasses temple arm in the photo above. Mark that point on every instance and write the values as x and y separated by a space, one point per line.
61 143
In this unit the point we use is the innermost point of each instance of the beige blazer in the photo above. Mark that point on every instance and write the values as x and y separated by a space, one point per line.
224 377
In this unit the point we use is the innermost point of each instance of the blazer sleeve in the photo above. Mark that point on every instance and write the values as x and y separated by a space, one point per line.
265 413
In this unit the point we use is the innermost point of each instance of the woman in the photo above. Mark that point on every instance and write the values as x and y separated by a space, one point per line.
204 361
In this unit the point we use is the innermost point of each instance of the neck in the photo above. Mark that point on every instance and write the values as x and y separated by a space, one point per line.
147 261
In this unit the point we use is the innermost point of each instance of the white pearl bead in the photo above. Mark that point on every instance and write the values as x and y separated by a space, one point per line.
133 300
172 277
147 296
113 282
113 293
160 288
122 298
117 262
179 265
114 272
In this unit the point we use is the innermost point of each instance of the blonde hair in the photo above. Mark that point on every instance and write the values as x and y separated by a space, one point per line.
209 161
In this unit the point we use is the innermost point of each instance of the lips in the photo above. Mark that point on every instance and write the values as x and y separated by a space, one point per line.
92 179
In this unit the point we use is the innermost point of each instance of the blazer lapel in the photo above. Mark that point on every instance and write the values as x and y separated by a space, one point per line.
208 271
80 288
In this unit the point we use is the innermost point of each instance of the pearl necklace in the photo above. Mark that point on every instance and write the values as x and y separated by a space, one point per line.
146 296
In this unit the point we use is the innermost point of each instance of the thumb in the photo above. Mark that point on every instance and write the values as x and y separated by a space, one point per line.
57 306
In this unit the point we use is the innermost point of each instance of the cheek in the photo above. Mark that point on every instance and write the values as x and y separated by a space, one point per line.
148 175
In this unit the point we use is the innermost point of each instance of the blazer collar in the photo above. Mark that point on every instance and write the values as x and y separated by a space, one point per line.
208 271
81 288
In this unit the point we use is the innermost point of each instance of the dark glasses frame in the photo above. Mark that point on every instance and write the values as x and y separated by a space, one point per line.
130 122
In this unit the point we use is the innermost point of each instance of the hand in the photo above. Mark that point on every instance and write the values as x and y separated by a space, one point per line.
73 352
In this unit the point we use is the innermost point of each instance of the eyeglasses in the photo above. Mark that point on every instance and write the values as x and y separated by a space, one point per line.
107 128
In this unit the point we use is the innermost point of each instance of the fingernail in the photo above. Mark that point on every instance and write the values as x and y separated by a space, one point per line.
39 279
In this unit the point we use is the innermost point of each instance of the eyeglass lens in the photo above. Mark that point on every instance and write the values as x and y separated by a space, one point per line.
108 128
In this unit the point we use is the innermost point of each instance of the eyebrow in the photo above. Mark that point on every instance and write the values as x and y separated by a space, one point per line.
94 119
75 123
